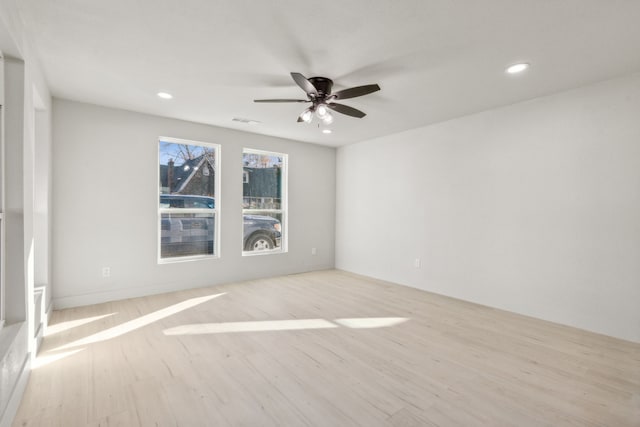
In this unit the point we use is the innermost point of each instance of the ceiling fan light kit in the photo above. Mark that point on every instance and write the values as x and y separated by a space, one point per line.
306 116
322 111
318 90
327 119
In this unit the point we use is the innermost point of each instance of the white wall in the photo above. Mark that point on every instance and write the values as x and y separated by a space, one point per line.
532 208
106 198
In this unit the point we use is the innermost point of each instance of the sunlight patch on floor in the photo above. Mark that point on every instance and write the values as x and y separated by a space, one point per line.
139 322
43 360
370 322
65 326
284 325
257 326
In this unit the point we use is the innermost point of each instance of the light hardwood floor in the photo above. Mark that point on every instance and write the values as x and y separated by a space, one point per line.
324 349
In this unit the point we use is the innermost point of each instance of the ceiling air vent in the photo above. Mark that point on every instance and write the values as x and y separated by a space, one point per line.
245 121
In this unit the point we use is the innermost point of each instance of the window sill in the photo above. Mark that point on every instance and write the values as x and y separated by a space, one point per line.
263 252
187 259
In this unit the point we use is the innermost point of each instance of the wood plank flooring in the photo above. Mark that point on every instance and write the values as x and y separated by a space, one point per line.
324 349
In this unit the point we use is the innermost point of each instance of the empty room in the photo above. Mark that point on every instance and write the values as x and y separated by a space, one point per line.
284 213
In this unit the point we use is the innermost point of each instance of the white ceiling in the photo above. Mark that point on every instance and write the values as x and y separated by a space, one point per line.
434 59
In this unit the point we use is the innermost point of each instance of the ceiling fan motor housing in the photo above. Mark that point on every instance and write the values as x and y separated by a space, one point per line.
323 85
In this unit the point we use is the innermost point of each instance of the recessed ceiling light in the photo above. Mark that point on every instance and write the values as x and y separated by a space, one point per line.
517 68
165 95
326 130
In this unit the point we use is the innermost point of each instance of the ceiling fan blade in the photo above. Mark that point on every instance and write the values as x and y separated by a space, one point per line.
356 91
304 84
280 100
345 109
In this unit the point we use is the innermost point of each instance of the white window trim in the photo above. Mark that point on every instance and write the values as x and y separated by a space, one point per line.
2 265
284 207
2 191
216 211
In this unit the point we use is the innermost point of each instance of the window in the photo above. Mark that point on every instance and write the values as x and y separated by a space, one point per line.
264 203
188 208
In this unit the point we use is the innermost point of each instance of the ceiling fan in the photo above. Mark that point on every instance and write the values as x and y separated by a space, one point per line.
318 90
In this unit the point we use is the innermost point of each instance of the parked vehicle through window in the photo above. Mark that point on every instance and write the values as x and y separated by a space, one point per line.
188 235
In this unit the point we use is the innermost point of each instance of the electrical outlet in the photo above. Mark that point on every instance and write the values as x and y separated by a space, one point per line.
106 272
417 263
314 251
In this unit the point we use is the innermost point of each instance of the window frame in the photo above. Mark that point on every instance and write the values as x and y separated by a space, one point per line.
2 191
215 211
284 204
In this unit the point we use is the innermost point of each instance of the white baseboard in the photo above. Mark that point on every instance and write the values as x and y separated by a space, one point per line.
47 316
17 393
115 295
121 294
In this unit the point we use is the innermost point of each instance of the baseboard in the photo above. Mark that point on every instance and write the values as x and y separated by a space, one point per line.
115 295
60 303
501 307
17 393
39 336
48 313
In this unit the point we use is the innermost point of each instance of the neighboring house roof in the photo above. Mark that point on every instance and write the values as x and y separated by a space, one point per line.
182 174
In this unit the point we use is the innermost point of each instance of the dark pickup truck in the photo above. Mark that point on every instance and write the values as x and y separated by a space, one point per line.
187 234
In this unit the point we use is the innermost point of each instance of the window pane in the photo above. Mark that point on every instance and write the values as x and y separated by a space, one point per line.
188 170
263 202
187 201
184 234
262 181
262 231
